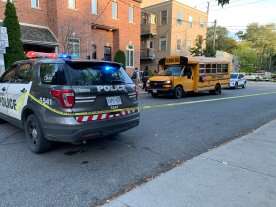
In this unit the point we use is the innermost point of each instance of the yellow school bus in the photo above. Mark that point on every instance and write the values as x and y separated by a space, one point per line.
180 75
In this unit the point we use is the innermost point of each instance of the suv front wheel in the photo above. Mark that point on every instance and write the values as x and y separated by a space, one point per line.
35 139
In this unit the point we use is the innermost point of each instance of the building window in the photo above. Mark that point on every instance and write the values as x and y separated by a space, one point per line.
130 14
130 56
180 18
202 23
163 44
191 21
114 10
107 53
164 17
35 4
178 45
72 4
74 46
94 51
94 7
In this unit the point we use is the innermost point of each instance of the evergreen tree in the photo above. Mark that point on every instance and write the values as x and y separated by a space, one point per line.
197 50
120 57
15 50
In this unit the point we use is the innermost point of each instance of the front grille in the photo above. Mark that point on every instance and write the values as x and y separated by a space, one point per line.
156 84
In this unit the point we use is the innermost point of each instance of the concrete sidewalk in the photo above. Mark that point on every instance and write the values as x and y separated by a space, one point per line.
238 174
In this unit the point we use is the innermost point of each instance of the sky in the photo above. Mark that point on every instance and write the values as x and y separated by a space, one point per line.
238 13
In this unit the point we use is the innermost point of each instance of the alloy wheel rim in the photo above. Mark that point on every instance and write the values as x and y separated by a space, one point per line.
32 131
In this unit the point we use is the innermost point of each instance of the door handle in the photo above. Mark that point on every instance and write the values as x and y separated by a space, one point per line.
23 90
4 89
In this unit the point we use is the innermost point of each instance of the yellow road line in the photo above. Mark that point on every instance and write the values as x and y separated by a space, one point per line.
204 101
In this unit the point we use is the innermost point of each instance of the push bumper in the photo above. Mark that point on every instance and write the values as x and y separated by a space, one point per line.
89 130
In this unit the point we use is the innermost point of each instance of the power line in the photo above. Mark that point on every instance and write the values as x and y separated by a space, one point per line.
238 5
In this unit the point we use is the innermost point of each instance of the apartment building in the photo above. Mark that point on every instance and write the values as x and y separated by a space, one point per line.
93 29
169 28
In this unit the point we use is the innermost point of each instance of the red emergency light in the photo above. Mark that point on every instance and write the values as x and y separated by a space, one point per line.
32 55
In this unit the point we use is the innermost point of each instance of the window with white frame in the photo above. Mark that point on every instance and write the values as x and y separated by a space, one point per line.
130 14
94 7
178 44
114 10
74 46
7 0
163 44
35 4
130 56
72 4
191 21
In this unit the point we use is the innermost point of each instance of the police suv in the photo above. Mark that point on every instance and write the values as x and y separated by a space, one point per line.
66 100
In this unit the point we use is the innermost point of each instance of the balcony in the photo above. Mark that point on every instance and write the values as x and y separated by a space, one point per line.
148 30
148 54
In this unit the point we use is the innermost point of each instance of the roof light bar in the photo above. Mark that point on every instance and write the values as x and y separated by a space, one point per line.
33 55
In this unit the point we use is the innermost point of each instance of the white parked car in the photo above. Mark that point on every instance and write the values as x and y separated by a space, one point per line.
237 80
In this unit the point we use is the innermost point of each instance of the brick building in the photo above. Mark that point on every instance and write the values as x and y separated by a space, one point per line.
93 29
169 28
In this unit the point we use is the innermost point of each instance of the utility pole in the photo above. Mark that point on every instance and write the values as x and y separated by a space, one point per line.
215 34
208 7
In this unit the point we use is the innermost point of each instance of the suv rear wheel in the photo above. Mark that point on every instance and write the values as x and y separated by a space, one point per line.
35 139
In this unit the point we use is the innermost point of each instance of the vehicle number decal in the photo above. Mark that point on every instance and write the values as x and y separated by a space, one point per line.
47 101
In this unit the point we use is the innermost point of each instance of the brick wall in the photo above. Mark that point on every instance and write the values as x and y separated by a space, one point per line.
56 15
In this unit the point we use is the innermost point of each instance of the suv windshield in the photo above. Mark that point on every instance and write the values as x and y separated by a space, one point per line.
234 76
89 73
172 71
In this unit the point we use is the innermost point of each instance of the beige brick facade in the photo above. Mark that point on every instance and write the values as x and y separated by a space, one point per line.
184 25
99 30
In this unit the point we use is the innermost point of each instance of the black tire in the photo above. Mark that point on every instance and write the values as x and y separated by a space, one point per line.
217 90
154 95
236 85
2 121
34 134
178 92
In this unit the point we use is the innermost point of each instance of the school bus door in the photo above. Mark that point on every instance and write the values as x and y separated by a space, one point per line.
186 79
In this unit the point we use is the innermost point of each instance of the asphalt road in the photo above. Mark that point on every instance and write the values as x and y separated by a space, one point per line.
171 131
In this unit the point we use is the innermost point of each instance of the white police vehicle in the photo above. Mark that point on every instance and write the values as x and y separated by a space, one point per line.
237 80
65 100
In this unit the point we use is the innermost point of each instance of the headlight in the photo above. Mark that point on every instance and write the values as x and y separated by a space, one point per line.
168 82
148 81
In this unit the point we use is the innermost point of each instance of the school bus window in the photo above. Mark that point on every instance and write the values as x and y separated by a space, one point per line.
225 68
202 66
202 71
214 68
219 68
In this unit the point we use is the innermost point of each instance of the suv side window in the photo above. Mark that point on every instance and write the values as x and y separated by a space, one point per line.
52 74
24 73
9 76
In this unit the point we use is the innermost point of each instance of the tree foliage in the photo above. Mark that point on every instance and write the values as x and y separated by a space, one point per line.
223 41
247 57
120 57
198 49
15 50
262 39
223 2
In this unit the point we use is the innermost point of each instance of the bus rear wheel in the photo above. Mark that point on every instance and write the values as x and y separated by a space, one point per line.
217 90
